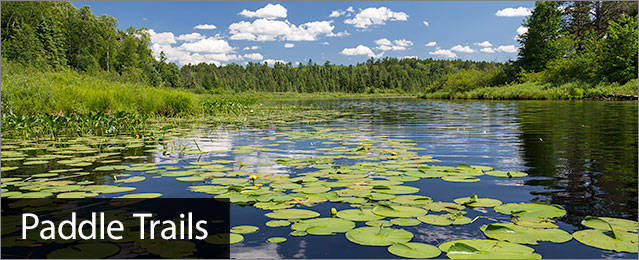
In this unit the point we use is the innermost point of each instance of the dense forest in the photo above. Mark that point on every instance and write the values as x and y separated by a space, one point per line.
588 42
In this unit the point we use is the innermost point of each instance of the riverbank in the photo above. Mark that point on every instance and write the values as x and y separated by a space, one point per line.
545 91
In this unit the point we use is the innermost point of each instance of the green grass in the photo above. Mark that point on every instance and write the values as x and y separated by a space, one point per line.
531 90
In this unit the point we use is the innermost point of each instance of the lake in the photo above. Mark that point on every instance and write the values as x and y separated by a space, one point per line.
580 155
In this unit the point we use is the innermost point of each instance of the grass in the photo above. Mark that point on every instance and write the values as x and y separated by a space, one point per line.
532 90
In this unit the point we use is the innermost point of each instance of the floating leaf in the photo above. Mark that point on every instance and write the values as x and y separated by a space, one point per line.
324 226
531 210
379 223
414 250
604 223
407 222
619 241
445 219
523 235
132 179
398 211
460 178
358 215
399 190
140 196
487 249
477 202
244 229
298 233
277 223
276 240
378 236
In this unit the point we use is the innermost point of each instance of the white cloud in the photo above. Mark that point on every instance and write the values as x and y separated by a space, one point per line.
442 52
191 37
459 48
289 45
207 45
512 12
501 48
325 43
340 12
272 61
520 31
483 44
360 50
487 50
431 44
270 30
161 38
426 23
205 27
253 56
339 34
251 48
374 16
270 11
410 57
397 45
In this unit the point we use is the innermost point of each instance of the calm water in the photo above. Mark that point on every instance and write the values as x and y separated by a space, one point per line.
580 155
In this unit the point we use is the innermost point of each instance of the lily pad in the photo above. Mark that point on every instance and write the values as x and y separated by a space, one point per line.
523 235
379 223
292 214
460 178
132 179
244 229
140 196
398 211
476 202
276 240
407 222
324 226
358 215
376 236
531 210
277 223
224 238
487 249
414 250
445 219
85 250
399 190
616 223
619 241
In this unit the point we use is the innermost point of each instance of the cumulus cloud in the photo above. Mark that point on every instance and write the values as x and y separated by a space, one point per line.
444 53
270 11
191 37
375 16
360 50
501 48
272 61
464 49
251 48
207 45
426 23
325 43
204 27
512 12
396 45
410 57
270 30
520 31
253 56
483 44
161 38
289 45
340 12
431 44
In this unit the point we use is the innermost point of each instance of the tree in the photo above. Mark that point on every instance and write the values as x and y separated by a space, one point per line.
619 57
539 44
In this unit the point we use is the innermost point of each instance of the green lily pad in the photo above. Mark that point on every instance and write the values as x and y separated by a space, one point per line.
407 222
379 223
414 250
140 196
506 174
380 196
190 178
487 249
460 178
277 223
85 250
531 210
616 223
399 190
75 195
244 229
224 238
132 179
523 235
107 189
292 214
473 201
313 189
534 222
297 233
44 175
358 215
376 236
619 241
445 219
398 211
324 226
276 240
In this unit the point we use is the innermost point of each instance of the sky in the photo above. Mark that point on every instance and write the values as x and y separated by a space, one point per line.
339 32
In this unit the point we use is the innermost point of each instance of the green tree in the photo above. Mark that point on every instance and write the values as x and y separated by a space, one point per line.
539 44
619 52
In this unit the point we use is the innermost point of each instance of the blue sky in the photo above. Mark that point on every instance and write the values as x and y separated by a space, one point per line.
341 32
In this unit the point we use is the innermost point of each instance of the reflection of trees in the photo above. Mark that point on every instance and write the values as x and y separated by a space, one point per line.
590 149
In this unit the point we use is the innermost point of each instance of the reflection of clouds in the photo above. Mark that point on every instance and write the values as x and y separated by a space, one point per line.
268 250
214 141
509 182
301 253
614 255
440 234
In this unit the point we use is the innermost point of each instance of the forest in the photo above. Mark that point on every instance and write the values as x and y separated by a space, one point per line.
590 46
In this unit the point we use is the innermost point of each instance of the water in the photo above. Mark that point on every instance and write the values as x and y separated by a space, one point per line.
581 155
